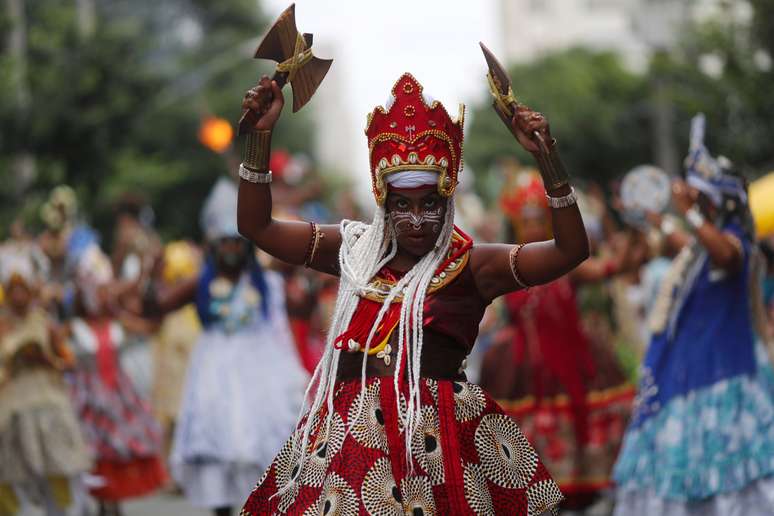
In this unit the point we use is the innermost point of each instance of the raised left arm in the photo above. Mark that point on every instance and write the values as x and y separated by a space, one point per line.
724 249
503 268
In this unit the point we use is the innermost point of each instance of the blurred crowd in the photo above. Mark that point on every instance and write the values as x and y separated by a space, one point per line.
102 393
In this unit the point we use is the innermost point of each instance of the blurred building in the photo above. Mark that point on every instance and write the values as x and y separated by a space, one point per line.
633 28
333 145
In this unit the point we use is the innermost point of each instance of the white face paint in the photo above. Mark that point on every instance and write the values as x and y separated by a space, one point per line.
404 221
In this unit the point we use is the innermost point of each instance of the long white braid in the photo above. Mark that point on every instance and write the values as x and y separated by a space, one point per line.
365 250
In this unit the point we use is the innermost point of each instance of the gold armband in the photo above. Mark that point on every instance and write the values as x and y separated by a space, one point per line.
257 151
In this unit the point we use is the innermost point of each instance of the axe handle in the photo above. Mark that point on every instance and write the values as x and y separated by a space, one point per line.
507 121
249 119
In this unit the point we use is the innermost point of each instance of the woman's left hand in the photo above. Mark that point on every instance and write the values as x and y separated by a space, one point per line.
683 196
525 123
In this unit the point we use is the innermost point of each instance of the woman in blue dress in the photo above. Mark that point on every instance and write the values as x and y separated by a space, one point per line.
701 440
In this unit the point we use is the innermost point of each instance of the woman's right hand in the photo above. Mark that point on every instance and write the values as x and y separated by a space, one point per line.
266 102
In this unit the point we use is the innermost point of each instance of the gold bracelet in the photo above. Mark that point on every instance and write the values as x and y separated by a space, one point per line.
257 151
551 168
314 244
514 260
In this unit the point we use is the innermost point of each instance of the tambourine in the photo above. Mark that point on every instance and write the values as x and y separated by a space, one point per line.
644 188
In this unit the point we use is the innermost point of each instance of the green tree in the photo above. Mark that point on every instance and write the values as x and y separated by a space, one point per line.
604 115
722 68
119 109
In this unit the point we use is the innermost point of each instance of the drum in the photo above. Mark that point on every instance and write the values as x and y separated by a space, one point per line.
644 188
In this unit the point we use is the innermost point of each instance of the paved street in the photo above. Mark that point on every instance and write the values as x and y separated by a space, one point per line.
163 505
157 505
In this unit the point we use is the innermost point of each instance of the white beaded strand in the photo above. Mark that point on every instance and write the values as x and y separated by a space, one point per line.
366 249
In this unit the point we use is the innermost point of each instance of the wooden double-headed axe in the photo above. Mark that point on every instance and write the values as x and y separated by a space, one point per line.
295 63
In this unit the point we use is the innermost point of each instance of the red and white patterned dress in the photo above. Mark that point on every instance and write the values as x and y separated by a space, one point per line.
117 422
468 457
567 390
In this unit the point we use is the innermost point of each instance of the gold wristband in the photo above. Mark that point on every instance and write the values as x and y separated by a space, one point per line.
551 168
257 151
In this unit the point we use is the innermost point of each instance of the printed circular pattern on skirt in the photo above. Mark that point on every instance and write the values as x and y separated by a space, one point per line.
426 445
325 446
369 428
469 401
432 386
286 467
380 495
541 496
418 496
337 499
506 456
288 497
476 490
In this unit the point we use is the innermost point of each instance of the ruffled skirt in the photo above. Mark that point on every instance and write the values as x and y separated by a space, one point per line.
242 395
757 499
122 433
39 434
579 453
714 442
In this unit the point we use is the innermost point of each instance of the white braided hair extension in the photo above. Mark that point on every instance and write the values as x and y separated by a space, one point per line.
365 250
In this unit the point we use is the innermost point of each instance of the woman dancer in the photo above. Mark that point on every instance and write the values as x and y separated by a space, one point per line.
118 423
244 382
42 450
701 441
393 426
562 385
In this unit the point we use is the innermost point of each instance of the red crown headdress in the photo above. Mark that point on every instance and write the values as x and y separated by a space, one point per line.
412 135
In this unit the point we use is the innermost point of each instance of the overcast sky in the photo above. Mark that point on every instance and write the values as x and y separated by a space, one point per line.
374 42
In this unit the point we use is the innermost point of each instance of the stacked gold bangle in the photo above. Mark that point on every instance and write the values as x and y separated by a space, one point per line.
257 151
256 155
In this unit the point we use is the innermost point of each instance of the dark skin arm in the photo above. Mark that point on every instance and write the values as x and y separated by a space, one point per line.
621 260
675 240
285 240
58 336
167 299
724 249
538 262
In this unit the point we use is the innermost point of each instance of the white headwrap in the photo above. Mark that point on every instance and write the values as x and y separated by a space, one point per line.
23 259
412 179
219 214
92 272
16 264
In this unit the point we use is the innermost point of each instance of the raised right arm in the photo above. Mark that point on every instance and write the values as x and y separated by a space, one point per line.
298 243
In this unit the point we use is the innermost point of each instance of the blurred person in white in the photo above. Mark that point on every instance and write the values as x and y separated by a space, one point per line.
244 383
42 451
701 440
